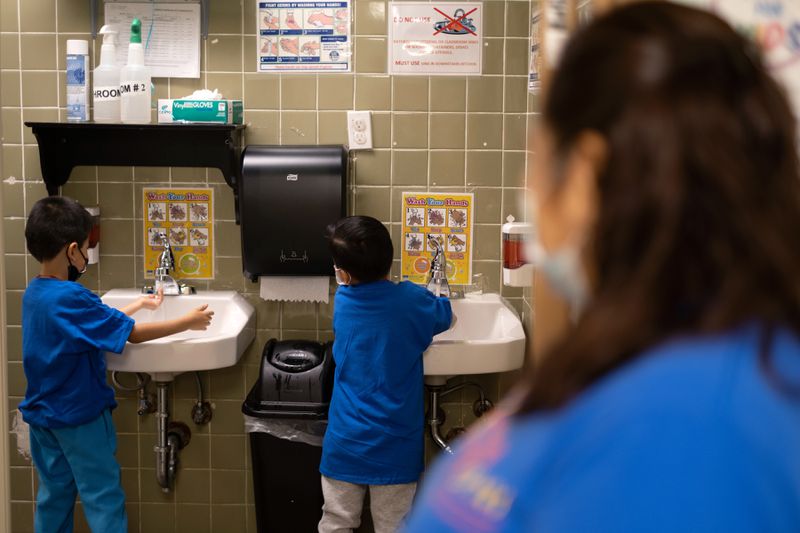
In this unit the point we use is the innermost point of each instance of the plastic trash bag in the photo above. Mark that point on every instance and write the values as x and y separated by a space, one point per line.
21 430
305 431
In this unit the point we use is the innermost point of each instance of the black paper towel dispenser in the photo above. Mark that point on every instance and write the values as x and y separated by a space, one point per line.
287 197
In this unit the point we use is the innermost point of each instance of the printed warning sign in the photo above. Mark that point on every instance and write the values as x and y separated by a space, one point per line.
439 38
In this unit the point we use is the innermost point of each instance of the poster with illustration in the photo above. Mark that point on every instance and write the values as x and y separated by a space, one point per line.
303 37
442 38
535 57
447 219
185 218
774 25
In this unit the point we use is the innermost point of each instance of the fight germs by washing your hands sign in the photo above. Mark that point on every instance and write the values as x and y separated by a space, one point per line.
304 36
186 216
448 219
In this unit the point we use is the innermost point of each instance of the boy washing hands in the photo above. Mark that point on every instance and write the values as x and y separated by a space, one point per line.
65 331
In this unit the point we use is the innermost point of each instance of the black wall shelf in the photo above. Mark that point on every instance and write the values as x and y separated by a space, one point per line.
65 145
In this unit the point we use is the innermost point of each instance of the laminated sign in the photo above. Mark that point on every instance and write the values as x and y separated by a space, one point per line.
446 218
186 217
774 25
439 38
303 36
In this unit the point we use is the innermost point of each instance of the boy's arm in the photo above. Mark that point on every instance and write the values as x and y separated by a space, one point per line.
197 319
445 319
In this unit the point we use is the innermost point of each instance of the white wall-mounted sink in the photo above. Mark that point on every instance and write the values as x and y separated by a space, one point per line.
221 345
487 337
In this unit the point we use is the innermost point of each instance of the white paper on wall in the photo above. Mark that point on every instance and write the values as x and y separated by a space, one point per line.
775 26
170 34
442 38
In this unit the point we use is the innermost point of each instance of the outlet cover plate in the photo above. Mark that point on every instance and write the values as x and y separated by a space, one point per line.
359 130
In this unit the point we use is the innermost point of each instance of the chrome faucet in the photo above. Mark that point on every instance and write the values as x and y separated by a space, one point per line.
437 280
163 278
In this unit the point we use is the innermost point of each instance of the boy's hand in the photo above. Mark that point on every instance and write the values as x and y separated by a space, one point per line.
199 319
152 301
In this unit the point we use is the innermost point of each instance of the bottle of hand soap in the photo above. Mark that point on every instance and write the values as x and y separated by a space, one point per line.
135 81
106 79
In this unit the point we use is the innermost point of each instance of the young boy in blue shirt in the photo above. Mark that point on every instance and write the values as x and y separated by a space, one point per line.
374 438
65 330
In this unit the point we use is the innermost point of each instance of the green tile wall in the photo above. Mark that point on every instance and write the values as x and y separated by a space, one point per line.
430 133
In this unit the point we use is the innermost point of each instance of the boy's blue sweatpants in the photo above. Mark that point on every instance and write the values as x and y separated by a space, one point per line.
78 460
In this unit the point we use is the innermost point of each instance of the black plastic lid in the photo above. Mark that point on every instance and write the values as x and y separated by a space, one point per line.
294 360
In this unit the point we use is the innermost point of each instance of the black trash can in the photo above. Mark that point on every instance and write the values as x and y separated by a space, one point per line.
289 409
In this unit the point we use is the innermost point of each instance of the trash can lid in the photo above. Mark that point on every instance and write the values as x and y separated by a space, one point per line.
294 356
295 360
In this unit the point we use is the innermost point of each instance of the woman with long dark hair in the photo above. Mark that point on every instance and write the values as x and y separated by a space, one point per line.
667 184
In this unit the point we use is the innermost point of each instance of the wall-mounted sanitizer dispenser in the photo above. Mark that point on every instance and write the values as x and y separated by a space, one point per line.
288 195
517 270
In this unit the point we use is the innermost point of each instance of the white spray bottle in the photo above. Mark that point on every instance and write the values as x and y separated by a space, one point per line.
106 79
134 81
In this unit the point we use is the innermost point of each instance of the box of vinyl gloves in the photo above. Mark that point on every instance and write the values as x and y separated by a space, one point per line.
195 108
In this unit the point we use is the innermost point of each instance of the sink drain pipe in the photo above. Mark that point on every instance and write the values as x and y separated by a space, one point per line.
436 418
171 437
162 447
436 413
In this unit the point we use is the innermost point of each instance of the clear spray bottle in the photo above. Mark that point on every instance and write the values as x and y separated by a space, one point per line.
106 79
135 89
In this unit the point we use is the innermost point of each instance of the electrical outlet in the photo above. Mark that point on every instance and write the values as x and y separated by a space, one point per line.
359 130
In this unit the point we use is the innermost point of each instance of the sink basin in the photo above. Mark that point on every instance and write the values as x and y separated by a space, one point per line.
222 344
487 337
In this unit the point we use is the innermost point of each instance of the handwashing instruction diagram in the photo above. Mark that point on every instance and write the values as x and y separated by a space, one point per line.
448 219
304 37
186 216
435 38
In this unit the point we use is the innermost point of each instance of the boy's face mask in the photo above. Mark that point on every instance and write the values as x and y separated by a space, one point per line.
72 272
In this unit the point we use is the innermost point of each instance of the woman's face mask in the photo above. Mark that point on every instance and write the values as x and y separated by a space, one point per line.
561 210
564 271
72 271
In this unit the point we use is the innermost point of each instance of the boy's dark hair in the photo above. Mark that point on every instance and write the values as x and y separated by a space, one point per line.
361 246
54 222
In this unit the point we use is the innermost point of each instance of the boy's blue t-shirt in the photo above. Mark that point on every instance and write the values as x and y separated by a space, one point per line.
65 331
376 418
696 435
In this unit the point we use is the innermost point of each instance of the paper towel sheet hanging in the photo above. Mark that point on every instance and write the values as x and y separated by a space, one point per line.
287 197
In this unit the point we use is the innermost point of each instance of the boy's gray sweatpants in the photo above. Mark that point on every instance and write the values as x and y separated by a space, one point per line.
341 511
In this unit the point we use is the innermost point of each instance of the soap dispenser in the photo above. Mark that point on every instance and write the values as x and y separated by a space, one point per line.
106 79
517 270
135 91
